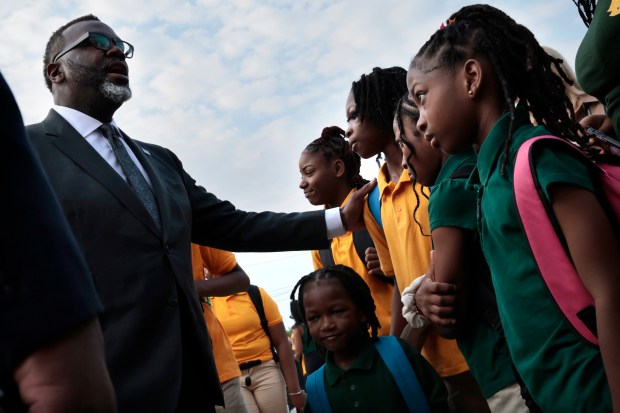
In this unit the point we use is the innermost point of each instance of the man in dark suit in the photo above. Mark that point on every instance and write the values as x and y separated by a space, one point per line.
51 347
135 227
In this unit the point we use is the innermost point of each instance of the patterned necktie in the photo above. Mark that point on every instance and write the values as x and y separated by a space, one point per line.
135 179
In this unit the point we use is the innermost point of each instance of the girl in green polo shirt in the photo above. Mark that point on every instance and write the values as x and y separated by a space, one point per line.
338 309
458 260
476 81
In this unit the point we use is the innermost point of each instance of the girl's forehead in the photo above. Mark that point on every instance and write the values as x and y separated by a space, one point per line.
324 283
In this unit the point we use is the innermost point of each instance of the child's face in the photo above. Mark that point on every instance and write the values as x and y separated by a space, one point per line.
446 117
417 153
365 138
319 178
333 319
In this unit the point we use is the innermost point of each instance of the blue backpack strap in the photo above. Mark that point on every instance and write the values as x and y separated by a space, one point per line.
317 395
374 203
396 360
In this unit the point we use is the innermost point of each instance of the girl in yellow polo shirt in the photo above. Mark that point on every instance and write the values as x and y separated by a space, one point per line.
330 173
264 383
370 111
232 279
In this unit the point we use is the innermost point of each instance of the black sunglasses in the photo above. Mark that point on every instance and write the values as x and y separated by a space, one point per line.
99 41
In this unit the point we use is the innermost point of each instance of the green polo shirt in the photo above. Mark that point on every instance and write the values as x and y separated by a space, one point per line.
562 371
597 63
453 204
368 386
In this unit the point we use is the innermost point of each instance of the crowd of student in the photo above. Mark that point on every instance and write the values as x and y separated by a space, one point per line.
450 129
444 262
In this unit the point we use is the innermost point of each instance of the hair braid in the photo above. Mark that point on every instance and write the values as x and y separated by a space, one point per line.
353 284
484 31
407 108
586 10
332 145
376 94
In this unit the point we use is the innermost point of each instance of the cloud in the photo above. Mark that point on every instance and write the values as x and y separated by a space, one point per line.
238 88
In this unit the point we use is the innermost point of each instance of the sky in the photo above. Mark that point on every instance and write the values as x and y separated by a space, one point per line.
238 88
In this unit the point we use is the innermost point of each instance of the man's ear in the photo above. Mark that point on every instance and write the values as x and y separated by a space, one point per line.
473 75
339 167
55 73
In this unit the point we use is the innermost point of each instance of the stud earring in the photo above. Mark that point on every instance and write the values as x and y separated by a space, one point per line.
470 92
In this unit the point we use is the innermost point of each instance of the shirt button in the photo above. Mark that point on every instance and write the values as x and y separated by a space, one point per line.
172 302
353 387
356 404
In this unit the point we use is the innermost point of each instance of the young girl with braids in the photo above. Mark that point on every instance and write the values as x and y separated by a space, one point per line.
370 113
457 260
338 309
474 82
330 173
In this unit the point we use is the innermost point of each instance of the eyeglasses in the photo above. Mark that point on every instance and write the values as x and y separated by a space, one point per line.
99 41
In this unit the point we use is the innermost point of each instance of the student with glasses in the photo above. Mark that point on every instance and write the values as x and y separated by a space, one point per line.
134 212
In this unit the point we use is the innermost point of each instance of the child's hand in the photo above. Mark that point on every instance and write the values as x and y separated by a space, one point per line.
437 301
372 261
601 123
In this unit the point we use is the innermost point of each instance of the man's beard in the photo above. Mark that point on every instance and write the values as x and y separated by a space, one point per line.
97 79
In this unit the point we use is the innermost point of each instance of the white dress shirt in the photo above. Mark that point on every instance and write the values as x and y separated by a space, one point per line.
88 127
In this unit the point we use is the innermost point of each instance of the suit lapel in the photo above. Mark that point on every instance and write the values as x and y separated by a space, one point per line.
74 146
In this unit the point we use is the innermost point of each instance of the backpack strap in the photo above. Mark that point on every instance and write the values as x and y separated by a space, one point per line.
397 362
327 256
374 204
257 301
546 242
317 395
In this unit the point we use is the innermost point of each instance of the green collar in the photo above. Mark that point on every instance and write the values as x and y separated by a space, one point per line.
493 145
364 361
453 163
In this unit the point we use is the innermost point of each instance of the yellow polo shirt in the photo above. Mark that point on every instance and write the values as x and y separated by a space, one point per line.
217 262
409 251
242 324
344 252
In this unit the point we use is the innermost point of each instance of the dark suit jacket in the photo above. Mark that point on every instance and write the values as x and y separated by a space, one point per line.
45 290
144 278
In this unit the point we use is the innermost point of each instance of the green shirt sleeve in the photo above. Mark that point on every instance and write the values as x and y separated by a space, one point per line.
554 165
453 204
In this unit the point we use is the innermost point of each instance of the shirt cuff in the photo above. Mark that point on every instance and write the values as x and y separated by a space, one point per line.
333 221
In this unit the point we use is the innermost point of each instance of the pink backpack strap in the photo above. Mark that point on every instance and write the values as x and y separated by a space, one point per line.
555 266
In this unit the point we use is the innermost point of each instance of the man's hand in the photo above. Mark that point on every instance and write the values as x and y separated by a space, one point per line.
68 375
353 212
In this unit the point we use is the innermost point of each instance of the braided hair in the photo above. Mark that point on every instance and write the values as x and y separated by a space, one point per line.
586 10
353 284
521 66
407 108
56 43
375 95
332 145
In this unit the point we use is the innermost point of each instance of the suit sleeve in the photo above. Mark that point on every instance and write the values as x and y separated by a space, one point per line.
45 288
219 224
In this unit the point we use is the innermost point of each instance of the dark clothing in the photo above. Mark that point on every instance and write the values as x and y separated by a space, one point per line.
143 275
45 288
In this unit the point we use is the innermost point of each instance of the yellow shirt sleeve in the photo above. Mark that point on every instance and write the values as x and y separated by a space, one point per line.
316 260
